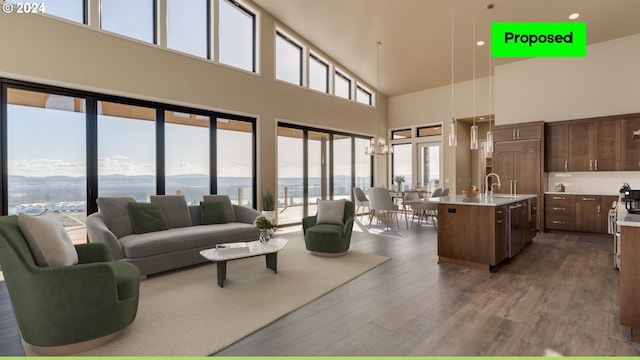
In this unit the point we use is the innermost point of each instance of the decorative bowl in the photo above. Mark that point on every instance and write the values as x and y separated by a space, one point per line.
470 193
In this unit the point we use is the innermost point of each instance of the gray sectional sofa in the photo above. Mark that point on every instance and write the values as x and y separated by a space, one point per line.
180 244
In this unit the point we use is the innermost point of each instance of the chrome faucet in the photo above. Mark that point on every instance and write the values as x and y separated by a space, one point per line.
489 190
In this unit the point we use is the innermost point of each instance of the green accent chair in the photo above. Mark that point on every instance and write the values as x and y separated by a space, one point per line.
68 309
329 239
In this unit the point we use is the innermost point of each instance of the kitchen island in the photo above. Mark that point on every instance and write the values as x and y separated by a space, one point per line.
629 226
480 233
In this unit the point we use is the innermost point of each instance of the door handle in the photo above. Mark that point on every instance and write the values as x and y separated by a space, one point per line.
566 167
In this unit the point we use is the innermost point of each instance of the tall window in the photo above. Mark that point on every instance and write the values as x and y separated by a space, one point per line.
363 165
187 26
47 158
290 175
126 151
318 74
429 165
288 60
135 19
186 151
236 35
342 167
234 144
342 85
402 161
318 168
363 96
68 9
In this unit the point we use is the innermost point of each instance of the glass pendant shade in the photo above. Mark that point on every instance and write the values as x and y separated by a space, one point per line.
489 141
474 137
453 132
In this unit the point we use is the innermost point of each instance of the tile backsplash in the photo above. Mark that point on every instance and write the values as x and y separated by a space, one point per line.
597 183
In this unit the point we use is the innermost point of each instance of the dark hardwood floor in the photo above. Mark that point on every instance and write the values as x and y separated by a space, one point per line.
560 293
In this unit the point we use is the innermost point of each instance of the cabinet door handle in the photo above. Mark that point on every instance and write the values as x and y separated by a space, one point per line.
510 187
499 222
590 165
596 162
518 133
515 187
559 209
598 209
588 199
559 222
513 136
566 165
558 198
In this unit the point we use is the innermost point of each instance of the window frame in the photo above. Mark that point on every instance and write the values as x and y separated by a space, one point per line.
319 60
368 93
340 74
297 44
92 137
253 14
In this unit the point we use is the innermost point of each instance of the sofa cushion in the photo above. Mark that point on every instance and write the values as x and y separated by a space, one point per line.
228 207
175 209
212 212
330 212
116 214
49 242
147 217
178 239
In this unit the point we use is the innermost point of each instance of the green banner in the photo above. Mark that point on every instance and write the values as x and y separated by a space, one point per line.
539 39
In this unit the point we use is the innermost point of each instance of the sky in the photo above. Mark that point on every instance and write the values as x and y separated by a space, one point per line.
56 146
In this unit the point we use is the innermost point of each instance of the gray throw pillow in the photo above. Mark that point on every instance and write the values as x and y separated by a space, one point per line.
175 209
228 207
49 242
330 212
116 214
146 217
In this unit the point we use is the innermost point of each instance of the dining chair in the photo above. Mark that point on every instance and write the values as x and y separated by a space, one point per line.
428 210
408 199
361 200
381 203
445 192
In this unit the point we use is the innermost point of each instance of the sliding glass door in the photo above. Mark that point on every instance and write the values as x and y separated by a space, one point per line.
316 164
46 157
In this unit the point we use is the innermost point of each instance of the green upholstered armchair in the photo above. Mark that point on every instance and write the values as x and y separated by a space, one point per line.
68 309
329 239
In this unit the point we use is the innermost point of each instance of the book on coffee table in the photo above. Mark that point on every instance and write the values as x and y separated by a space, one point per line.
232 248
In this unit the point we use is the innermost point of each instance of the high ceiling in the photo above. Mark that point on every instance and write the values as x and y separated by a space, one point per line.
416 34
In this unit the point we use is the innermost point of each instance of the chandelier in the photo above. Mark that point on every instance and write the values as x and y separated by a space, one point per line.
378 145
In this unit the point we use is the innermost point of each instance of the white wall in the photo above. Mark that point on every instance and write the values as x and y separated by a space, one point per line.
605 82
51 51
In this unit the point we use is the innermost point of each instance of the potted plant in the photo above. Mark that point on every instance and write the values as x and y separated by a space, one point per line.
265 225
268 206
399 180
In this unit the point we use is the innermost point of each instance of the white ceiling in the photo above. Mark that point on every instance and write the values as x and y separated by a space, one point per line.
416 34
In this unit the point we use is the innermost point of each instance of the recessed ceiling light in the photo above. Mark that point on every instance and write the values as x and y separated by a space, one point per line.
480 43
574 16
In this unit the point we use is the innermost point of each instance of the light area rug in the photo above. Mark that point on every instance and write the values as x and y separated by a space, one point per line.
186 313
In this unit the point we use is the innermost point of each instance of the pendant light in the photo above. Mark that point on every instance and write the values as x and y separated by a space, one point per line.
491 116
453 123
474 127
378 145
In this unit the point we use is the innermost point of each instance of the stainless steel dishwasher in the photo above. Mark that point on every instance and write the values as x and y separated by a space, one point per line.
515 233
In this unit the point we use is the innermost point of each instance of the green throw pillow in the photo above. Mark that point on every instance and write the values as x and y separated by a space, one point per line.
212 212
146 217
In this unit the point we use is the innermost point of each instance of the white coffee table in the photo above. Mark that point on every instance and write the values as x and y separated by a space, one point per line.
256 248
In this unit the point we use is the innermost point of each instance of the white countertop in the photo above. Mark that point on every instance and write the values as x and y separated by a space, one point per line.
580 193
626 219
497 200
